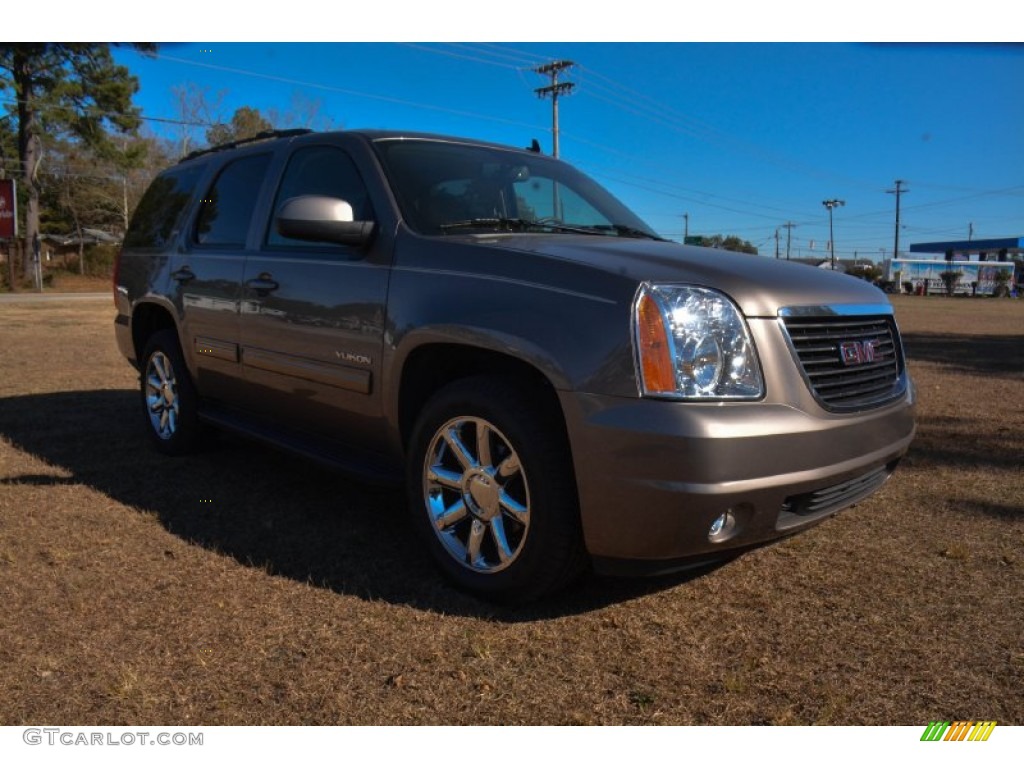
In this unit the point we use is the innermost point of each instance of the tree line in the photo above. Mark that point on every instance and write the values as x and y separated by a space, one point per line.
78 146
73 138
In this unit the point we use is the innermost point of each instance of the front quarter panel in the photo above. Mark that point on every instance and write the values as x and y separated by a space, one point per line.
566 320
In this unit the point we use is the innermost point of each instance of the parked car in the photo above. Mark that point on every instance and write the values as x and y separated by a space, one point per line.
559 386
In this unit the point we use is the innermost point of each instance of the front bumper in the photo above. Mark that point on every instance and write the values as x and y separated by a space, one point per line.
653 475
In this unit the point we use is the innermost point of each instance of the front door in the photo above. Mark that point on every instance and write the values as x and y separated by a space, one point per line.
312 314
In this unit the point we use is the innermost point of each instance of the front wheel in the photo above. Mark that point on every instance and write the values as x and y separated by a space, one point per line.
493 492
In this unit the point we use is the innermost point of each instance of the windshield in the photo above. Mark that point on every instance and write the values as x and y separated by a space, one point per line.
446 187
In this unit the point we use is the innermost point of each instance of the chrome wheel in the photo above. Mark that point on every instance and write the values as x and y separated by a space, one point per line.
476 494
163 402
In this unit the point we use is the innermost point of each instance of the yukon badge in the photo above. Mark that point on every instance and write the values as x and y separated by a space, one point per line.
351 357
858 352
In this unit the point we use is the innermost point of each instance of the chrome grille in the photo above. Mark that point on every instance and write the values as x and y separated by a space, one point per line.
849 362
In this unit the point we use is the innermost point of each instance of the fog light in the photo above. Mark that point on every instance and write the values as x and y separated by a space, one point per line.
727 524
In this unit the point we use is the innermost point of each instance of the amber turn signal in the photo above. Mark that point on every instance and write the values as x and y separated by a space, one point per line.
655 352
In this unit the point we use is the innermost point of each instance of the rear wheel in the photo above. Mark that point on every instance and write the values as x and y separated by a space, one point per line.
492 490
169 401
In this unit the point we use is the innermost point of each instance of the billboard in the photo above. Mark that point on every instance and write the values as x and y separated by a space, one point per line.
8 210
975 277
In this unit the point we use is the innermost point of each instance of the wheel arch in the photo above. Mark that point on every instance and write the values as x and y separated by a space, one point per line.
148 317
431 366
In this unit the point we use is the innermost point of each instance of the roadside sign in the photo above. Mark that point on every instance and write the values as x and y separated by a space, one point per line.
8 209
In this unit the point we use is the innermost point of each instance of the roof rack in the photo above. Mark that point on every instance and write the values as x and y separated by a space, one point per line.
261 136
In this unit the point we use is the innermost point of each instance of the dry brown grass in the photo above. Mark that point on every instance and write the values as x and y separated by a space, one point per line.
243 587
61 281
69 282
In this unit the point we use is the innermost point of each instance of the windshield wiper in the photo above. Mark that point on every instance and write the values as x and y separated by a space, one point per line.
524 225
503 224
624 230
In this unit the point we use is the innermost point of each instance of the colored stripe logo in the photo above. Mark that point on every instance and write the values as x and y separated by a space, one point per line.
960 730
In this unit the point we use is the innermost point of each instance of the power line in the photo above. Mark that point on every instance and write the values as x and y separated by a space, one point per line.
1003 191
505 49
686 125
347 91
698 196
43 101
678 196
525 61
623 97
651 108
458 55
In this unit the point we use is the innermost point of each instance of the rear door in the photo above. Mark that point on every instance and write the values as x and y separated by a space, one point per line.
312 314
207 272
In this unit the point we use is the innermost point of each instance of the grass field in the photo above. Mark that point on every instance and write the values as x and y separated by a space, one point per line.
242 586
63 281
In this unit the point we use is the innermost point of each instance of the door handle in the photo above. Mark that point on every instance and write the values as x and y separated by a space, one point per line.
183 275
263 284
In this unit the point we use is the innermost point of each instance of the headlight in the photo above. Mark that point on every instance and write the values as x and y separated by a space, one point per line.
693 343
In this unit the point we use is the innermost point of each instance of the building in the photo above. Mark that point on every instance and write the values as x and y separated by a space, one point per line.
979 263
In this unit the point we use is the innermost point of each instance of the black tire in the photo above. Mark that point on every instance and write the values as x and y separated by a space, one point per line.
500 518
169 401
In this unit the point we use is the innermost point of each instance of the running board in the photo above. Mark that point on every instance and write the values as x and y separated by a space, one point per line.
349 461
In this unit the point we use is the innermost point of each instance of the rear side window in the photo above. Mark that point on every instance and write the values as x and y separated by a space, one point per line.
156 218
227 207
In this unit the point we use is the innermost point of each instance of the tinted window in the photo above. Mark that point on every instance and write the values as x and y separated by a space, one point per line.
324 171
226 209
156 217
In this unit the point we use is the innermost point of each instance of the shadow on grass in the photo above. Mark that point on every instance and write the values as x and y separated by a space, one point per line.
953 441
263 508
988 509
1001 356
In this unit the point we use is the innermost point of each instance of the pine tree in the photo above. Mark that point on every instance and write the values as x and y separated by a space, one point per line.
63 90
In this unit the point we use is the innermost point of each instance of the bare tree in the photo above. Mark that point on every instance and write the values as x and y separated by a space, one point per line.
197 110
303 112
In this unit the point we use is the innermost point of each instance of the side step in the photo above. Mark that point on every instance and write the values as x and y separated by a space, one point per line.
360 465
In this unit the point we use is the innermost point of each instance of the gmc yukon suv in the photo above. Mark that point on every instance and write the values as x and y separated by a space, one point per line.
560 387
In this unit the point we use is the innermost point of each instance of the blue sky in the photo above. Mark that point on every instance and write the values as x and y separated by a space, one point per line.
742 137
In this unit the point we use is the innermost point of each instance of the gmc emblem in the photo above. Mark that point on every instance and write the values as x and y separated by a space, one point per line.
858 352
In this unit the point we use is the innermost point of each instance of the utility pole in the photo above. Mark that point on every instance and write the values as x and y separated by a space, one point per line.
776 242
556 89
830 204
686 226
789 234
898 191
970 231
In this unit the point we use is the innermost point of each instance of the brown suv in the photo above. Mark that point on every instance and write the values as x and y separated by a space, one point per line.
559 385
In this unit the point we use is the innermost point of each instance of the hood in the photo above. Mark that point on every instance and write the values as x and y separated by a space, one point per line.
760 286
